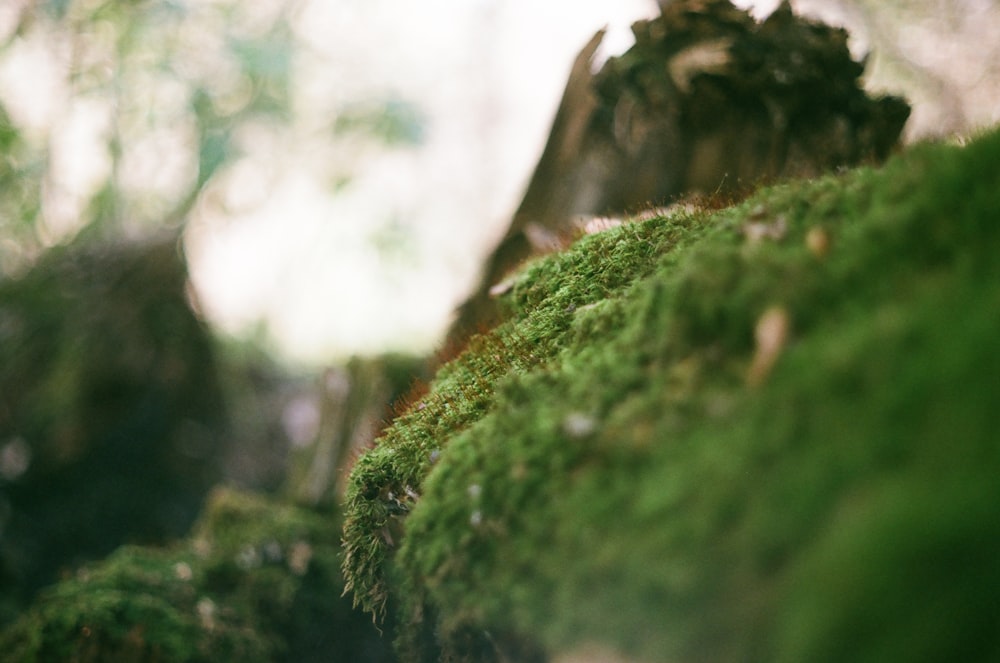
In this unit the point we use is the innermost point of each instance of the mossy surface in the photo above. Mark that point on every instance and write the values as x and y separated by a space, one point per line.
763 433
256 581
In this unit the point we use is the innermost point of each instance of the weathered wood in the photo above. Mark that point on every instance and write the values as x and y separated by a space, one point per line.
707 100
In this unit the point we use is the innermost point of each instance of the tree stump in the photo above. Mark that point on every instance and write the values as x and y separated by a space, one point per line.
708 100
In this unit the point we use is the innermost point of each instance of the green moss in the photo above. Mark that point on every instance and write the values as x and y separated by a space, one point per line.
612 464
385 481
257 581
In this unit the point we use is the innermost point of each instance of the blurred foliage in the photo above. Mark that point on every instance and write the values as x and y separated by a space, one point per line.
394 121
116 116
165 86
19 181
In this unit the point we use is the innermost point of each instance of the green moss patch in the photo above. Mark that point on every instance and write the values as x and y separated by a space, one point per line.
257 581
764 433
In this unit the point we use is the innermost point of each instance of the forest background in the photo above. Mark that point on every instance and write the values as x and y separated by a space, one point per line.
341 169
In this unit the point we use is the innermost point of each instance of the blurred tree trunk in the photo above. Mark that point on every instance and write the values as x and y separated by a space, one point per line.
707 101
355 403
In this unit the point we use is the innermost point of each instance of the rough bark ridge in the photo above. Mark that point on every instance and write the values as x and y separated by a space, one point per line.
707 100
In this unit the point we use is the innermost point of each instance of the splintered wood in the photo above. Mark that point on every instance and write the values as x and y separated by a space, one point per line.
708 100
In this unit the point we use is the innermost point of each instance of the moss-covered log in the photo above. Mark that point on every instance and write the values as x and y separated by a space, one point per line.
766 433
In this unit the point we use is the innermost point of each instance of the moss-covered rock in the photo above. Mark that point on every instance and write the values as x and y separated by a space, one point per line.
111 413
763 433
257 581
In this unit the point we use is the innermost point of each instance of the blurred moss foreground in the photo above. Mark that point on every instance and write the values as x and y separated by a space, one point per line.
110 409
766 433
256 582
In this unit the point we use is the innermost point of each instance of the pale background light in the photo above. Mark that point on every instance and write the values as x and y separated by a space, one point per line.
322 247
486 77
